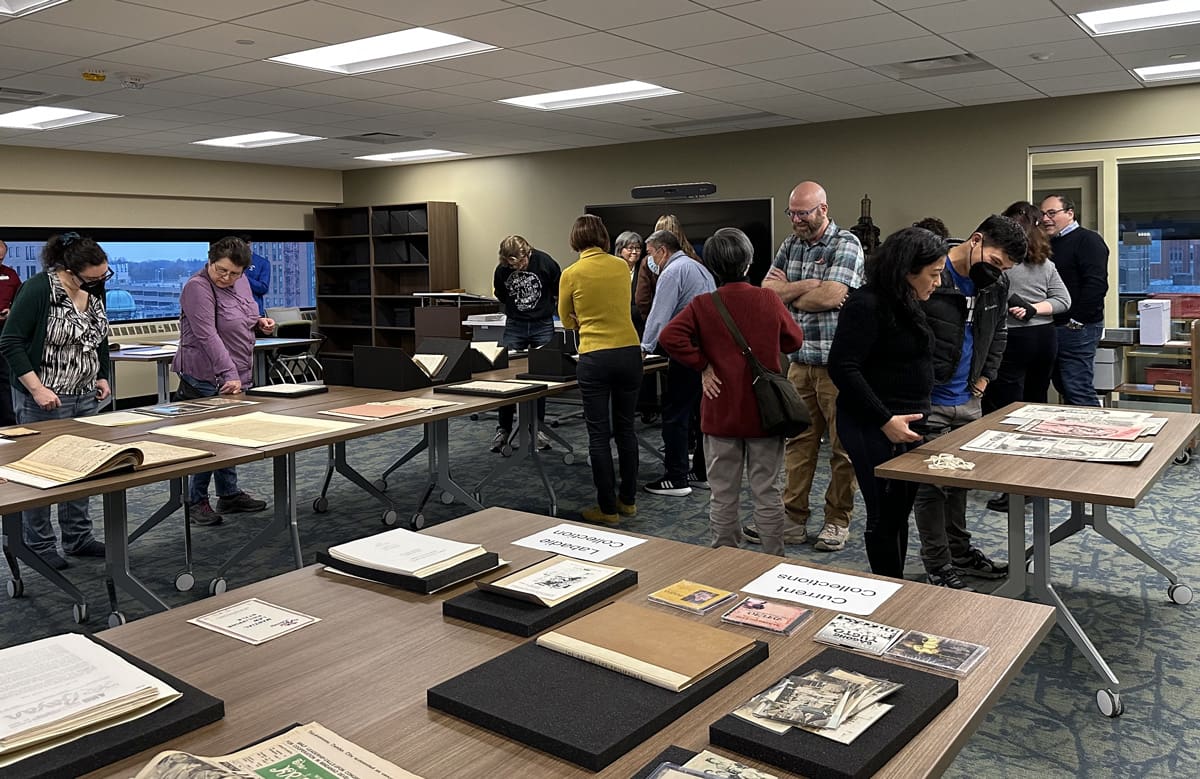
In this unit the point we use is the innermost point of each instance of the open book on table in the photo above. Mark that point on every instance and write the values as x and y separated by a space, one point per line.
551 581
69 458
429 363
491 350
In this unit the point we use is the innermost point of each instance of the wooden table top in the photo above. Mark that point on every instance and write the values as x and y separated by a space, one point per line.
1109 484
364 669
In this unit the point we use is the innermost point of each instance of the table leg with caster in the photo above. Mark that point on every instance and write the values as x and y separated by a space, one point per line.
15 551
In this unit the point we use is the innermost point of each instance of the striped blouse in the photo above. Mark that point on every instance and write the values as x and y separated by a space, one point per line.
70 360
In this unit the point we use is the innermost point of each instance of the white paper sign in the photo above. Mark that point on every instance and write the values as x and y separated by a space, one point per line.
823 589
580 542
254 621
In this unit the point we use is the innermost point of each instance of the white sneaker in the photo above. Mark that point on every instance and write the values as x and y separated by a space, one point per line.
832 538
543 441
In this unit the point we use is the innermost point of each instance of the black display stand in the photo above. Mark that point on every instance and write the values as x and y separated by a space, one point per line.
923 696
555 361
512 389
461 572
194 710
481 364
387 368
672 754
570 708
523 618
458 358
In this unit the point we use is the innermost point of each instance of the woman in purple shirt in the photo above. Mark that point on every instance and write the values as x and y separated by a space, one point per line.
217 321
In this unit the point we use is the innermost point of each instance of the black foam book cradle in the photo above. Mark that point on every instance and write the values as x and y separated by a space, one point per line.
570 708
923 696
194 709
524 618
461 572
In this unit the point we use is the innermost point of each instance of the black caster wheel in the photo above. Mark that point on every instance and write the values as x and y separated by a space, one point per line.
16 588
390 518
79 613
447 499
116 619
217 586
1180 593
474 417
554 423
1183 458
569 458
321 505
184 581
506 451
1109 703
418 521
380 484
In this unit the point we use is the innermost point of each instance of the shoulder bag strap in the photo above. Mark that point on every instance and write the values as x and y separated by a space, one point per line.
755 365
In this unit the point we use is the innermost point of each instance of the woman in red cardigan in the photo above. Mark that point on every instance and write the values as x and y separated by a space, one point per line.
733 433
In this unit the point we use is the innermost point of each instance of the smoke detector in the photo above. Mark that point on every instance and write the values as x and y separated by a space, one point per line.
132 82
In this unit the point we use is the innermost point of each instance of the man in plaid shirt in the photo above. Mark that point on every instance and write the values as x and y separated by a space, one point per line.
814 271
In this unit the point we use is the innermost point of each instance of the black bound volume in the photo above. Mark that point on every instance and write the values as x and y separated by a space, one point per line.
923 697
524 618
465 570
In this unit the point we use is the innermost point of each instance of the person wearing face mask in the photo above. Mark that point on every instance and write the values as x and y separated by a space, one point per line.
967 314
217 322
56 343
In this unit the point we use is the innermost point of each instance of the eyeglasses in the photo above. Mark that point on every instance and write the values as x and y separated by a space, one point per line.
1053 212
98 280
790 214
222 273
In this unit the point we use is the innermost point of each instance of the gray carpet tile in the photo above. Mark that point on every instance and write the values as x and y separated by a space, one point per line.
1045 725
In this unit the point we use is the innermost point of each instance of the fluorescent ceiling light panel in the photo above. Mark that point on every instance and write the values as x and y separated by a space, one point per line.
1168 72
50 118
258 140
597 95
22 7
420 155
393 50
1147 16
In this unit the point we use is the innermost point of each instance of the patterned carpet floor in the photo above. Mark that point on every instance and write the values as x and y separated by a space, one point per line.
1046 725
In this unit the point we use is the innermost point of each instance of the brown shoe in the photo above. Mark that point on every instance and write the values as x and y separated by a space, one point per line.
203 515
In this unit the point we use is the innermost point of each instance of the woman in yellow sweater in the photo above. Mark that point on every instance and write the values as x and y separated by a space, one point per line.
593 298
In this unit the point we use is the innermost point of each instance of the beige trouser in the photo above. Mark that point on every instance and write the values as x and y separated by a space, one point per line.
759 458
820 395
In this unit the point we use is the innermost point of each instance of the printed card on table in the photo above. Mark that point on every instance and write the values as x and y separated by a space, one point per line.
254 621
582 543
823 589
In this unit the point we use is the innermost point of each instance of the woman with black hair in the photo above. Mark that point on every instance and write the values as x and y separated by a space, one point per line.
882 363
56 344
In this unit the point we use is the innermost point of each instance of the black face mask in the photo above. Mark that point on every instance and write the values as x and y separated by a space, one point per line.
95 288
984 274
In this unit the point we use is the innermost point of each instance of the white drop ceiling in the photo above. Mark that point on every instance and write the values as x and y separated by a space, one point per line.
739 64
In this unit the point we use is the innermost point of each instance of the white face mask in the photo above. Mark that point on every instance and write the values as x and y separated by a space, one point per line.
651 263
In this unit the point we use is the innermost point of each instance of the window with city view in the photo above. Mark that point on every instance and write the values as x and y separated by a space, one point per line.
1159 205
148 275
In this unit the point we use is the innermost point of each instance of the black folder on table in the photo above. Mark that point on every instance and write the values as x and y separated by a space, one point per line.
923 696
194 709
571 708
468 569
525 618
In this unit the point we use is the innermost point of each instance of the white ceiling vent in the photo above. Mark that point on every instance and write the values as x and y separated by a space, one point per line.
934 66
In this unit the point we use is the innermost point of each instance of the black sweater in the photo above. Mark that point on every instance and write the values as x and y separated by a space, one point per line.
881 359
1081 257
529 295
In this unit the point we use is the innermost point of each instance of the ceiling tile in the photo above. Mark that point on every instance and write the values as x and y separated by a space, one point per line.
704 80
814 108
973 14
297 98
709 109
1037 71
794 67
513 27
221 10
28 34
273 74
586 49
22 60
354 88
1088 83
1058 52
1020 34
991 93
424 99
117 18
856 32
760 90
691 30
173 57
650 66
898 51
978 78
789 14
496 89
223 38
422 12
615 13
905 5
63 85
423 77
567 78
1141 59
211 86
322 22
755 48
835 80
1150 39
500 64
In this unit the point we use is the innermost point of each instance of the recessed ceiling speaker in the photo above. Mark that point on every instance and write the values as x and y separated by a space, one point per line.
696 189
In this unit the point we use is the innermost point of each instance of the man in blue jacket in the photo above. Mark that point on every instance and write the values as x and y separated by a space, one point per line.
259 276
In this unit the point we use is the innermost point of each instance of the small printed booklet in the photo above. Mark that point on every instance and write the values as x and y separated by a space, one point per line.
287 390
430 364
491 350
693 597
936 652
552 581
70 458
116 419
854 633
18 432
388 408
406 552
767 615
175 409
304 752
254 621
713 765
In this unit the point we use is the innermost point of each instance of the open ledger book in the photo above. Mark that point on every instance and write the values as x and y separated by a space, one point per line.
70 458
429 363
61 688
304 751
662 649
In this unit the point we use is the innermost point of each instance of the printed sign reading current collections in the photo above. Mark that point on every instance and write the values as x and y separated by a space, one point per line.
824 589
582 543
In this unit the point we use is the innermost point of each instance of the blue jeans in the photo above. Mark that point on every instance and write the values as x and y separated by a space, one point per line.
941 512
525 334
681 407
227 484
1075 369
73 520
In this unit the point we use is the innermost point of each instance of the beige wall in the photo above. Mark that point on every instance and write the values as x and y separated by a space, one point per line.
959 164
53 188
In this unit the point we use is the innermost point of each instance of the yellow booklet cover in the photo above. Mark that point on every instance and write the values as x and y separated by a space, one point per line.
690 596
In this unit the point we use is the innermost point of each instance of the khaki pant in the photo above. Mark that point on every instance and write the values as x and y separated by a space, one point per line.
758 458
820 395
